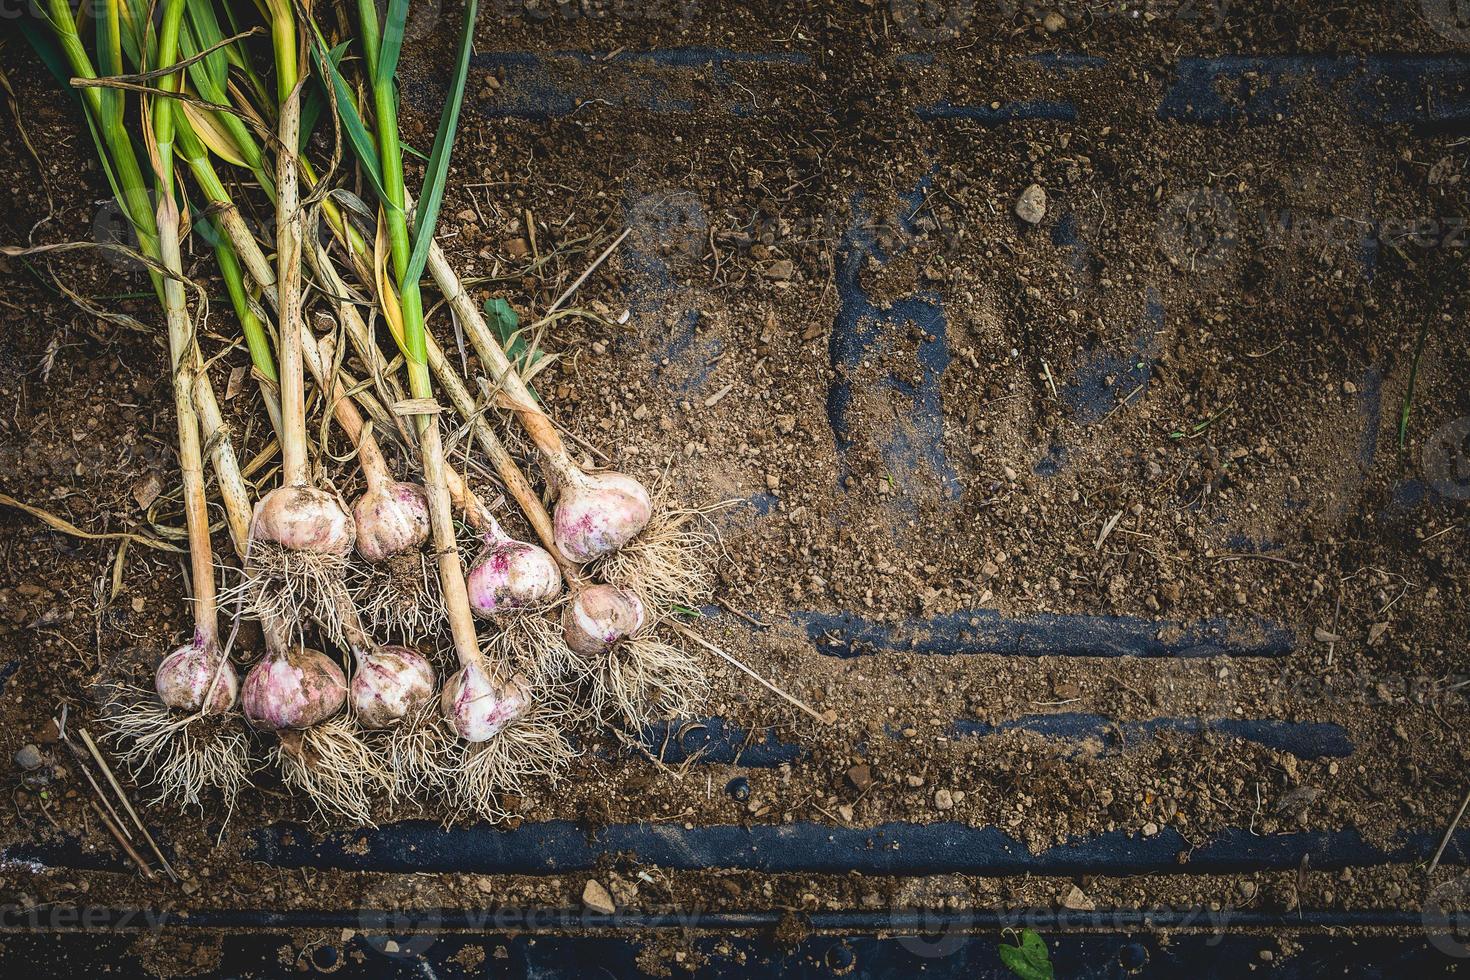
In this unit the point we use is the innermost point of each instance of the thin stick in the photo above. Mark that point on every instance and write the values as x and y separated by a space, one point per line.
357 329
92 780
590 269
1449 832
1248 556
689 634
1336 613
127 804
122 841
317 354
67 527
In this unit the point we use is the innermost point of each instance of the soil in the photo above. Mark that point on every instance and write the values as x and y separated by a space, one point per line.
1235 454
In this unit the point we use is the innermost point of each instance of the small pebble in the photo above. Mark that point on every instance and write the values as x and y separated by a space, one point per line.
29 758
1077 901
944 800
1031 205
597 898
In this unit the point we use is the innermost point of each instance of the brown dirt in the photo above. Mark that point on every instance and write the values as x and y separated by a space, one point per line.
1271 509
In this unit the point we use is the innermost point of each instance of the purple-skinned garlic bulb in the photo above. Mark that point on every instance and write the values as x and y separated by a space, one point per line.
598 513
293 688
510 574
392 517
478 707
599 616
304 519
186 679
390 684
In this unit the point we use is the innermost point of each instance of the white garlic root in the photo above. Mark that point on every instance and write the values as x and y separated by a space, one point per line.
533 643
527 749
333 767
670 564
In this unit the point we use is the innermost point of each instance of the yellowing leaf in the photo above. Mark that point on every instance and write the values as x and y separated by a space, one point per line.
386 297
212 134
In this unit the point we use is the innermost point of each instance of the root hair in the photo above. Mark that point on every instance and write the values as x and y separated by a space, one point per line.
180 756
531 642
285 586
671 562
334 767
414 753
644 680
484 776
400 597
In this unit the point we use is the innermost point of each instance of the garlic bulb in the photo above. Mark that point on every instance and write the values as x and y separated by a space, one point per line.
184 678
599 616
391 518
293 689
511 575
302 518
596 514
390 684
478 707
